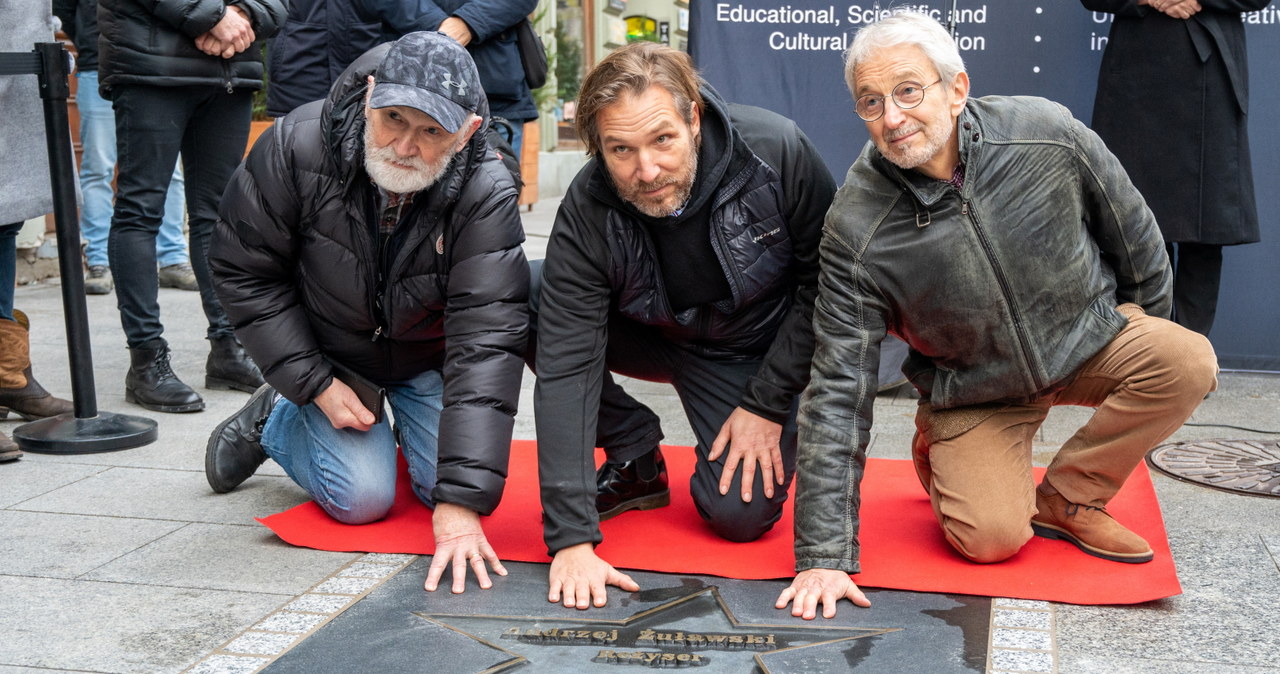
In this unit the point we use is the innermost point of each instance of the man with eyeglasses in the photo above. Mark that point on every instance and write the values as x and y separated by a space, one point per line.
1000 239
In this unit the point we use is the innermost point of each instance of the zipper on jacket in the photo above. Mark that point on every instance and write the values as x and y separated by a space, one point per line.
226 73
1006 290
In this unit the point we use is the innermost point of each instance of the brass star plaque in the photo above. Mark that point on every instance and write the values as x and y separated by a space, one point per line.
697 631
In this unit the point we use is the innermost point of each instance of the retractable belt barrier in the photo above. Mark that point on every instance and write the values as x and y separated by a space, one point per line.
86 430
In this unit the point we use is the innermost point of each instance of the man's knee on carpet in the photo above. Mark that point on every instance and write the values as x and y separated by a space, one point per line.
357 503
735 520
989 538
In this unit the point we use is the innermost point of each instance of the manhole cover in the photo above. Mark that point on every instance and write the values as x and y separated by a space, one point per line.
1245 466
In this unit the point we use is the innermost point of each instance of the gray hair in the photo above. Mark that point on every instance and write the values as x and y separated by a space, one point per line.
904 27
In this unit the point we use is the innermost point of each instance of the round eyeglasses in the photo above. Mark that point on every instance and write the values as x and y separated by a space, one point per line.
906 95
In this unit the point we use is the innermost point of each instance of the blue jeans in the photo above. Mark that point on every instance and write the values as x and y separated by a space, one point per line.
350 473
209 128
8 267
98 167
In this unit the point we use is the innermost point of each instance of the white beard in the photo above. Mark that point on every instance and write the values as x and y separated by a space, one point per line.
387 168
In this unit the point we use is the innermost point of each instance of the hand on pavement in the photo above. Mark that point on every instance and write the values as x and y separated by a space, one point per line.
460 543
579 577
828 586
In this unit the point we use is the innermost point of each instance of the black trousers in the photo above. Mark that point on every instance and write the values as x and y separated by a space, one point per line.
210 128
709 390
1197 273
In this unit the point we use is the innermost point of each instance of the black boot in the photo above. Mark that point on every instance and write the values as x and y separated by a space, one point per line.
152 384
229 367
235 449
638 484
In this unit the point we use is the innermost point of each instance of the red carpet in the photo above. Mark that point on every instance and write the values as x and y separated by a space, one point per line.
902 547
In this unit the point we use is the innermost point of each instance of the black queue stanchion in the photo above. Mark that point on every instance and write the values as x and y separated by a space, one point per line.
86 430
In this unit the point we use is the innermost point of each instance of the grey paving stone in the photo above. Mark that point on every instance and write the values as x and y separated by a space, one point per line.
1022 661
319 603
216 556
171 495
1226 615
260 643
32 476
1031 604
1075 663
229 664
1036 620
1039 640
346 585
66 546
1188 507
114 627
387 558
290 621
367 570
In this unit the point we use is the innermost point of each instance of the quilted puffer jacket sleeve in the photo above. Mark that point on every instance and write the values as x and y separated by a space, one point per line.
809 189
252 259
486 321
190 17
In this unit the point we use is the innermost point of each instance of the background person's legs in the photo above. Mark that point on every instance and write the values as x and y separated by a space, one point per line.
1197 274
212 146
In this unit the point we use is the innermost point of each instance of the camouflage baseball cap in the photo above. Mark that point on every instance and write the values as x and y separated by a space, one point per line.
430 72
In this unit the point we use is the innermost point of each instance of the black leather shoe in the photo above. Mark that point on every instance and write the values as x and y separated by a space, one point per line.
638 484
229 367
235 449
152 384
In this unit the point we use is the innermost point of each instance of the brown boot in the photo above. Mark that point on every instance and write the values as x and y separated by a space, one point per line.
8 449
19 391
1089 528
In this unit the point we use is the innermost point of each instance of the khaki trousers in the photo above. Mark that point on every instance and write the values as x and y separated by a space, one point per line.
976 462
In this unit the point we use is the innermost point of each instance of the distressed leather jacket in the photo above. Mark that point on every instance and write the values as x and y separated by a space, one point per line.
1002 289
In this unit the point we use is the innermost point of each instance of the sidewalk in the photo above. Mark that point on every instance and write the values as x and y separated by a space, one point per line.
127 562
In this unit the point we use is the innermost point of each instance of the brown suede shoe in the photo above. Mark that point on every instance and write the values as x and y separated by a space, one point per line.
1089 528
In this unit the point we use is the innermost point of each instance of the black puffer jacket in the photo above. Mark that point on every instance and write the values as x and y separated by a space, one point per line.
153 42
295 266
767 191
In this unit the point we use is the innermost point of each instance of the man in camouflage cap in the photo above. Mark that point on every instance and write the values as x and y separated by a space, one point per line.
371 241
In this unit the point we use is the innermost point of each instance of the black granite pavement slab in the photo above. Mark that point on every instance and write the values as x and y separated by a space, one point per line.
699 623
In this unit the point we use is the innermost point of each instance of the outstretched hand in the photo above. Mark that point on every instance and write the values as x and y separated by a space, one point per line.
460 543
752 441
828 586
579 577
